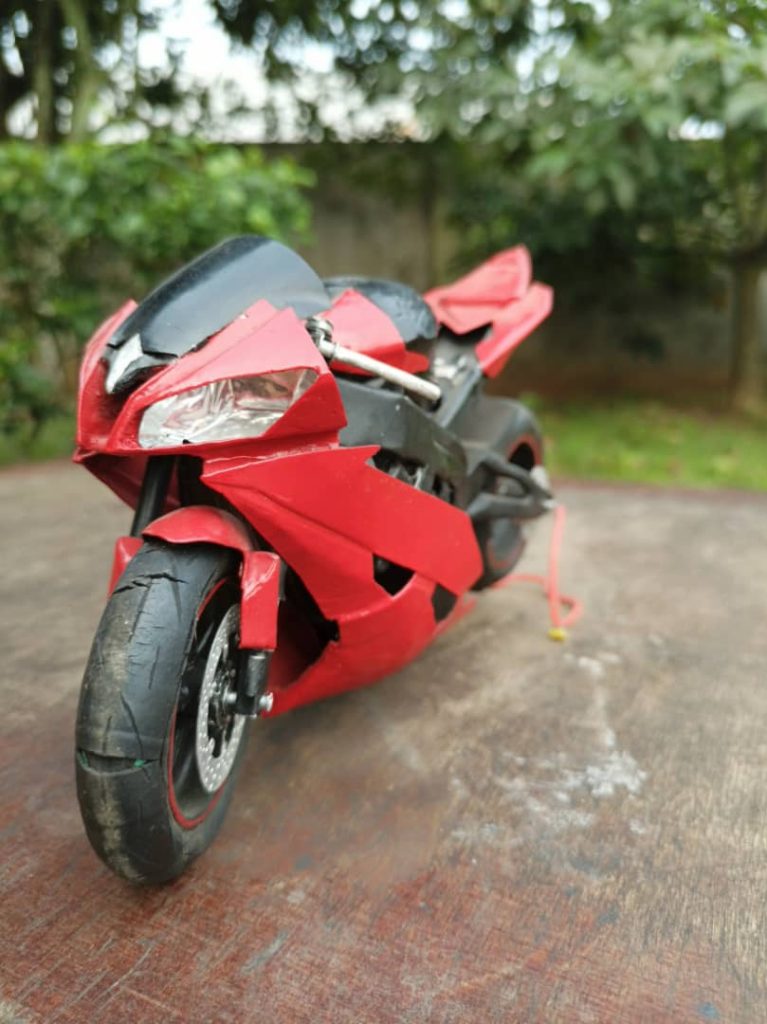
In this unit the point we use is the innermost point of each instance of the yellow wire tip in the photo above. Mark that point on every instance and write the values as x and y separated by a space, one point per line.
558 634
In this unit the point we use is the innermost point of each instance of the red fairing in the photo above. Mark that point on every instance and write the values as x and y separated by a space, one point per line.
380 640
328 513
95 410
200 524
371 550
122 474
260 579
360 325
337 490
260 341
513 324
500 292
261 572
476 299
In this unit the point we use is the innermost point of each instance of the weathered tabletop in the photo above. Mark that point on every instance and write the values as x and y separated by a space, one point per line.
510 830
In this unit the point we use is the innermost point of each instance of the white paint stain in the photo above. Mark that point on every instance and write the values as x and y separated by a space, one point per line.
593 666
609 658
555 792
548 790
605 733
617 770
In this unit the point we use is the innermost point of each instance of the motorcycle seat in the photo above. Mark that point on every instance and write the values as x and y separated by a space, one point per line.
401 303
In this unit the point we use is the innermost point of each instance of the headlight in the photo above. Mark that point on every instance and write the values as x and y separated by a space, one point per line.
224 410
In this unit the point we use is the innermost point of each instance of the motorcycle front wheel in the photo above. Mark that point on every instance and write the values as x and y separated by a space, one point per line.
158 743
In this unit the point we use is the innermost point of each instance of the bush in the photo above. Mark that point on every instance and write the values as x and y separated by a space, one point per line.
85 226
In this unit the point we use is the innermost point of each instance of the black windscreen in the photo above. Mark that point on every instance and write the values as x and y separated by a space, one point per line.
208 293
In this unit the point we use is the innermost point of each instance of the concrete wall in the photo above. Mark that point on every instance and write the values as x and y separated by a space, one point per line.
361 233
665 346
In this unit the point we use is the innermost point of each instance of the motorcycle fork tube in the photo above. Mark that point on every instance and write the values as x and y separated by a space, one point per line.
154 491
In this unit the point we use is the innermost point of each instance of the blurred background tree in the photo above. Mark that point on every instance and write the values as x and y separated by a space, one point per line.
653 112
84 225
62 59
626 143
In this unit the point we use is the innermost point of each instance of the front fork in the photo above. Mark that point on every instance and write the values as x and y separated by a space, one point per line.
262 576
154 491
253 698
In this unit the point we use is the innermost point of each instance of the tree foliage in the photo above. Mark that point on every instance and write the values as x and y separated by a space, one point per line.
616 135
641 130
388 56
63 60
85 226
621 137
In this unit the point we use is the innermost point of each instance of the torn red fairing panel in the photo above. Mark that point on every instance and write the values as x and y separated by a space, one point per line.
500 293
107 434
329 514
362 326
513 324
260 576
201 524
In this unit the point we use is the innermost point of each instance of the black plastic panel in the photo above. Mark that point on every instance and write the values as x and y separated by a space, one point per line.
395 423
443 602
208 293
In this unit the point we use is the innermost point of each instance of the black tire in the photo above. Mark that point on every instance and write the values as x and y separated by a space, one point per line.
145 808
502 541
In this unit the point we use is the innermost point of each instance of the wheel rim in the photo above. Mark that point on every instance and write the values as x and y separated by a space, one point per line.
217 624
219 730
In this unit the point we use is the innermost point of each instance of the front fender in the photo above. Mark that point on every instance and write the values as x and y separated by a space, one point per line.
260 581
200 524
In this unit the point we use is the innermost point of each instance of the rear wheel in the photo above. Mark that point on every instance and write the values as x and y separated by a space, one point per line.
502 541
158 742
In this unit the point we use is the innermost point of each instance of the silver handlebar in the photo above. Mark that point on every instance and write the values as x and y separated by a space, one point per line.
321 331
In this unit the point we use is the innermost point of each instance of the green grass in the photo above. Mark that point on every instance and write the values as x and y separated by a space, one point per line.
55 440
636 441
645 442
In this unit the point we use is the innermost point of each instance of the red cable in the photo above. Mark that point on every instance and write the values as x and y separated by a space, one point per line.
550 582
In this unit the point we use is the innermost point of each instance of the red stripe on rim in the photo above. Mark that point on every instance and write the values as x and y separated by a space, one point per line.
176 811
209 597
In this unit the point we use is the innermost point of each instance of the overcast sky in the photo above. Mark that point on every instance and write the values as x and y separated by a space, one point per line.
207 53
209 58
207 47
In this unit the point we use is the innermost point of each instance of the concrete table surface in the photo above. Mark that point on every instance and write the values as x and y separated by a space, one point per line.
509 830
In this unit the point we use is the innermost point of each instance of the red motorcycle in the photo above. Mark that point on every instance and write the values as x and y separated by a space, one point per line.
318 480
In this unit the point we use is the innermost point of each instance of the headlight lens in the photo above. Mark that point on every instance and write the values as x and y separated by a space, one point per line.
224 410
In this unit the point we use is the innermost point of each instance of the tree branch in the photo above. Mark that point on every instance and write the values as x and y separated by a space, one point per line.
760 217
42 73
741 217
87 76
